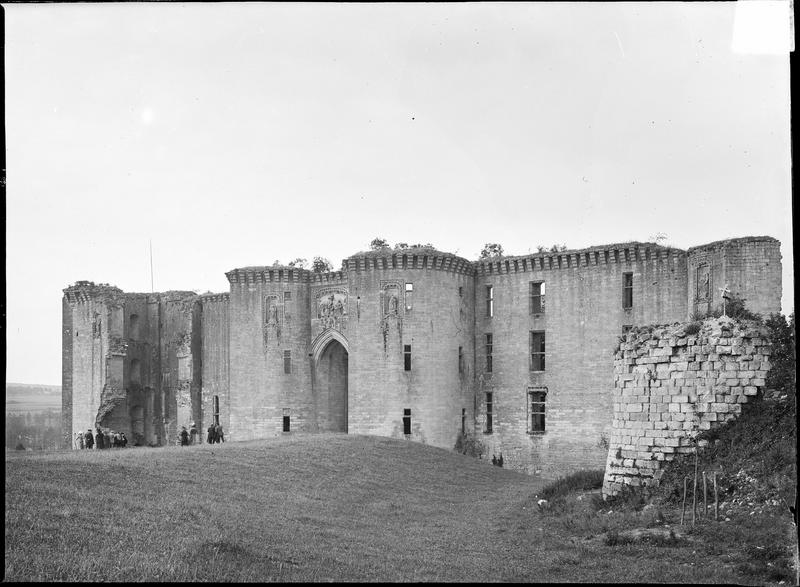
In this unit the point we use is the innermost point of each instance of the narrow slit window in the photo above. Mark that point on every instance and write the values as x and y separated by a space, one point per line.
133 330
489 349
407 421
460 291
409 296
489 301
627 290
215 409
537 350
287 362
537 297
287 420
489 412
460 359
463 420
407 357
537 409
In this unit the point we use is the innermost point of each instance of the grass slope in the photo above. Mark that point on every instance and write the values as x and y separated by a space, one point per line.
308 508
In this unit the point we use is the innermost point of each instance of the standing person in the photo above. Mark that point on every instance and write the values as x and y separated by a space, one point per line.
99 439
79 440
89 438
193 434
184 436
218 433
124 439
210 438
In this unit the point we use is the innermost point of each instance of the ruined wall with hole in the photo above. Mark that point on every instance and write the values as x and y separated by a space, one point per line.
670 384
214 362
127 362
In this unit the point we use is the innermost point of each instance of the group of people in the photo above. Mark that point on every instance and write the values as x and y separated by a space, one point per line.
215 434
187 437
497 462
100 440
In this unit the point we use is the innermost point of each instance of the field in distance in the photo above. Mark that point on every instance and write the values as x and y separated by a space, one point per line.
322 507
25 397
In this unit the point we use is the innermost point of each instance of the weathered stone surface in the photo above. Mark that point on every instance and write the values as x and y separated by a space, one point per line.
692 407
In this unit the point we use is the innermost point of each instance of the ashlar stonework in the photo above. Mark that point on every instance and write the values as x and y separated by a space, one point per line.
669 386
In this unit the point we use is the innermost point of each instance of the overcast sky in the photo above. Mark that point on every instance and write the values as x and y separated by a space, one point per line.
241 134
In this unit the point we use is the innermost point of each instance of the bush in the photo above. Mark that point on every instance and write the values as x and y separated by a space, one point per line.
583 480
782 335
693 327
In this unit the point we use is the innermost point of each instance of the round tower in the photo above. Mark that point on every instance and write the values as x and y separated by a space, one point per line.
410 344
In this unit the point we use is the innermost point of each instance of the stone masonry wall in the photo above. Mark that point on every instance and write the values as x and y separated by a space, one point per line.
670 384
582 318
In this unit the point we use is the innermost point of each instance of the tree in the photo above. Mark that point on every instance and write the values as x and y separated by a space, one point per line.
659 238
321 265
400 246
420 245
299 262
491 250
782 335
378 243
558 248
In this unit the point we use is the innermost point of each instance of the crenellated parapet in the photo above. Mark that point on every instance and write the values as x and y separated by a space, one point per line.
329 278
412 258
223 297
267 274
86 291
622 253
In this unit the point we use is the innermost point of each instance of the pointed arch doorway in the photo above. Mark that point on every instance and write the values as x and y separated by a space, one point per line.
330 352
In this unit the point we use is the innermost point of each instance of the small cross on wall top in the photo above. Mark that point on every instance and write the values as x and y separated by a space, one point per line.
725 296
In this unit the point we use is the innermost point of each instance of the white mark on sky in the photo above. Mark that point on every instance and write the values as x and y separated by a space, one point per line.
621 50
147 116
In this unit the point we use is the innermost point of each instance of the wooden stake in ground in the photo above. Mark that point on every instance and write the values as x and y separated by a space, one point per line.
683 509
705 497
694 485
716 503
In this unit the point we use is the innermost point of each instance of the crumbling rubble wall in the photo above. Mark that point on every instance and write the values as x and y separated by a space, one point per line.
670 384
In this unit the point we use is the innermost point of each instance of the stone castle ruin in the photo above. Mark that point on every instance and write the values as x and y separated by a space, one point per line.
670 385
414 343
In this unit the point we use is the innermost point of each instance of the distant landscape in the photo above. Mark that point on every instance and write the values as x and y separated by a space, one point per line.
33 416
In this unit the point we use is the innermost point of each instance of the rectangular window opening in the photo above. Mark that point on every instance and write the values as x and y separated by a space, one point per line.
407 357
460 359
489 301
627 290
463 420
537 350
489 349
537 409
407 421
287 296
489 413
215 409
287 362
409 296
537 297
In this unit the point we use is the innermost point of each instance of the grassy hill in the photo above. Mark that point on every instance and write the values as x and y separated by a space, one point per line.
319 508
